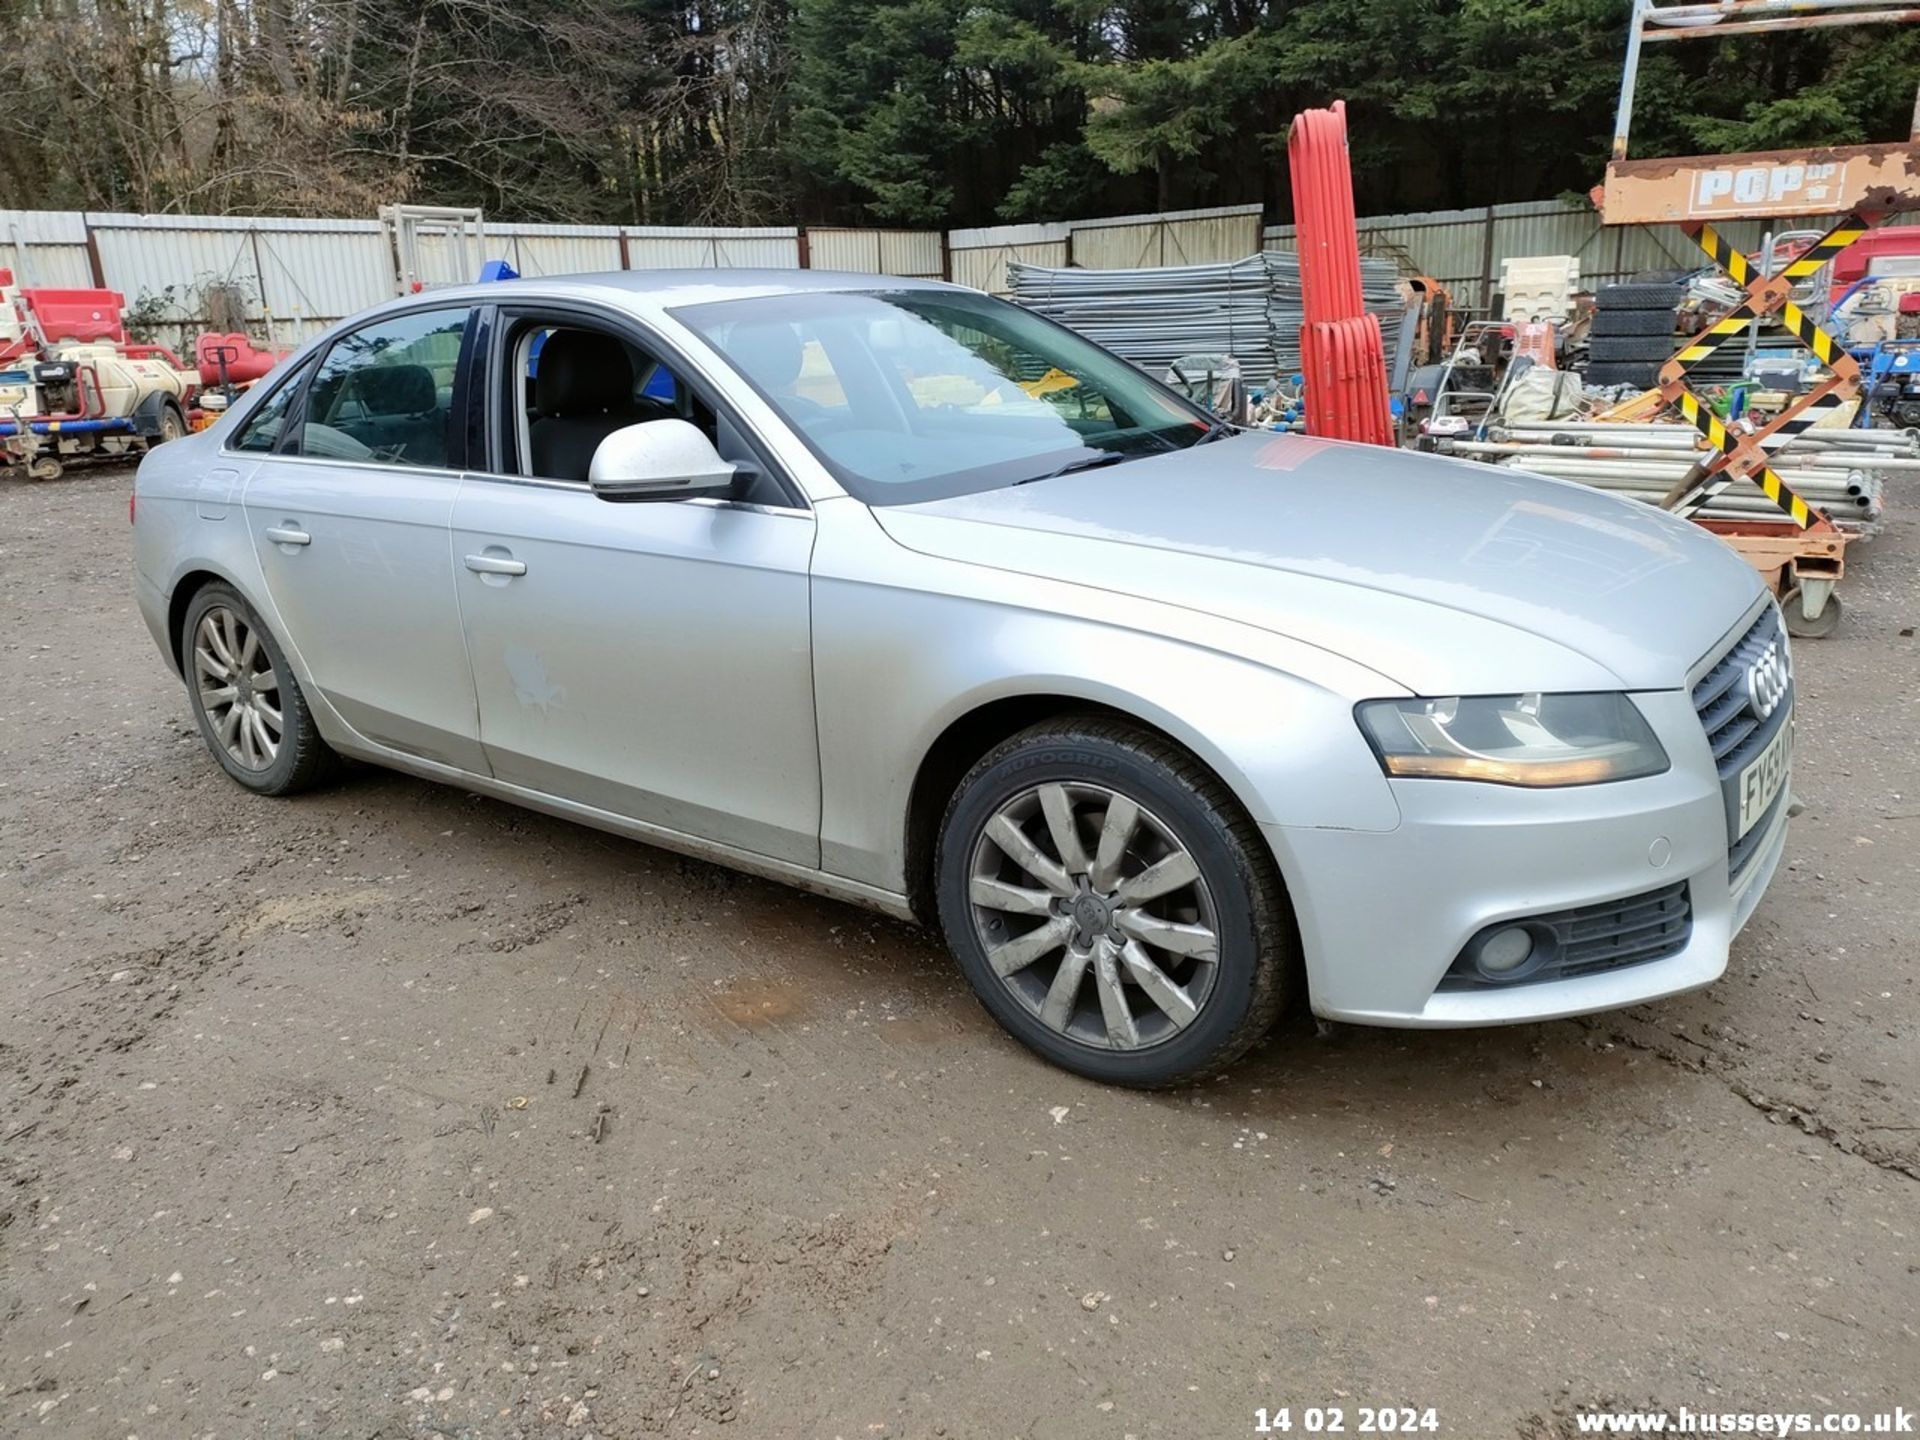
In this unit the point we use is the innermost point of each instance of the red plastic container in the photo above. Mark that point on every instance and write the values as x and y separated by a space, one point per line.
82 316
1341 353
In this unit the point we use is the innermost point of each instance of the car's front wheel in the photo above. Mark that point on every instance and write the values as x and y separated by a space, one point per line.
1112 905
244 695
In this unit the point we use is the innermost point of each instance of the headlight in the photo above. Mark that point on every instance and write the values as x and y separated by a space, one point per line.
1539 740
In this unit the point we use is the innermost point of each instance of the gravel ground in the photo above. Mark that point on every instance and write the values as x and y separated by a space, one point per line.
396 1111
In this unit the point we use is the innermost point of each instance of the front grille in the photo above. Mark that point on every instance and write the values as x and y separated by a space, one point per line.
1737 732
1726 711
1589 939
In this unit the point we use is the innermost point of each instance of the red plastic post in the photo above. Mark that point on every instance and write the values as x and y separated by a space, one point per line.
1341 353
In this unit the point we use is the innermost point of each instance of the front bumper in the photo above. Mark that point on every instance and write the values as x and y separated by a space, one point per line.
1383 915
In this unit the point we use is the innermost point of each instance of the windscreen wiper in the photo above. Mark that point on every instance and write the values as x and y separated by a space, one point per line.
1086 462
1220 430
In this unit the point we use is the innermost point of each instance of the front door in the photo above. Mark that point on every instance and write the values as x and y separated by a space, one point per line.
350 519
653 659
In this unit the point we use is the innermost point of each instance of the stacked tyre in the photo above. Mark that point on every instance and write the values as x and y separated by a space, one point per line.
1632 334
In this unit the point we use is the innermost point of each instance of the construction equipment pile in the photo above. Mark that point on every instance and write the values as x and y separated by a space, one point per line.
1250 309
1842 472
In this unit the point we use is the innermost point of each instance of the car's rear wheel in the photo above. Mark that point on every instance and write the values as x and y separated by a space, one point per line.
245 697
1112 905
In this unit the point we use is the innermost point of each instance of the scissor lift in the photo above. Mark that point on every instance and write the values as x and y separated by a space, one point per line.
1803 553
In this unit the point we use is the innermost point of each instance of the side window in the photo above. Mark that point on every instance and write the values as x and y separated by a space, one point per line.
567 384
579 385
384 394
264 427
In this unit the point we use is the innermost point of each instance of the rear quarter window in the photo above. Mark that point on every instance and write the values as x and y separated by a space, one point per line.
261 432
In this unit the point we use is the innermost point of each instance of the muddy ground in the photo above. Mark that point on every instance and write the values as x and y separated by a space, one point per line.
394 1111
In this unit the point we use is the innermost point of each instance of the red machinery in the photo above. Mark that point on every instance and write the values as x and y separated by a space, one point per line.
73 384
1852 264
232 359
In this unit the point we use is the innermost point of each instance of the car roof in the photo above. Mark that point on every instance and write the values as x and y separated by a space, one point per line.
648 291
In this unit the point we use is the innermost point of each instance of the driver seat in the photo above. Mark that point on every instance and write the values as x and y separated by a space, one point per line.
582 393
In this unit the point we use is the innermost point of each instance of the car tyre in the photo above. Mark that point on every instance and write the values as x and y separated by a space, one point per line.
1631 296
1608 373
1618 324
1135 981
245 698
1631 347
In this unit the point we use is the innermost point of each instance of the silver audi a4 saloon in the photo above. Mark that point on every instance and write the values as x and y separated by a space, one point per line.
907 596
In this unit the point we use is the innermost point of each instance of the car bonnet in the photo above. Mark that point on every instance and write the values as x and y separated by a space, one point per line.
1442 574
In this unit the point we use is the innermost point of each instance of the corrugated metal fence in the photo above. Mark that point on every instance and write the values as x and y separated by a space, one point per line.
1120 242
303 276
294 277
920 253
49 247
980 257
1462 249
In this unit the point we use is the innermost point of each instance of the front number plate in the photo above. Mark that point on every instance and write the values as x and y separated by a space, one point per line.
1763 779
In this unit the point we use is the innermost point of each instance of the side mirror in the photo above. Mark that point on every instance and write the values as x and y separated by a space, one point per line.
658 460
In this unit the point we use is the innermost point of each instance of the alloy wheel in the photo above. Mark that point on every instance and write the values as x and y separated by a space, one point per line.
1094 915
238 687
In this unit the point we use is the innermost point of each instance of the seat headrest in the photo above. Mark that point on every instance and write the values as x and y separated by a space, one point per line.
396 390
770 352
582 372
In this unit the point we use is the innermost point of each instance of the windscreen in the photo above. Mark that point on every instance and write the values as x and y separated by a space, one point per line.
919 394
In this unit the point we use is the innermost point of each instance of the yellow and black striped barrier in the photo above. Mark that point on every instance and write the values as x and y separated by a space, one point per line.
1775 489
1722 332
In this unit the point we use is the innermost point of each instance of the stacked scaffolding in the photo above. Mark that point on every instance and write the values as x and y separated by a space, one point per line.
1842 473
1250 309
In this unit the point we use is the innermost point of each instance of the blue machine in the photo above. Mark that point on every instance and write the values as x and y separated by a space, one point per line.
1889 383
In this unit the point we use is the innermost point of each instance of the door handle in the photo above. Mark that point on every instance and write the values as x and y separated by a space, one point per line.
484 564
288 535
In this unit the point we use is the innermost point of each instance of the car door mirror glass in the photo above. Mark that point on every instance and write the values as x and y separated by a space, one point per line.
658 460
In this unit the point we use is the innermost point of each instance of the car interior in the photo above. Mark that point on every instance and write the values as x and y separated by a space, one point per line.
395 412
893 395
579 385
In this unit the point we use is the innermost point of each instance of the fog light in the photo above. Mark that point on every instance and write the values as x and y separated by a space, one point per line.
1504 951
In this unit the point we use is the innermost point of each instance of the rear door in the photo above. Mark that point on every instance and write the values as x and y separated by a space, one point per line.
350 518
